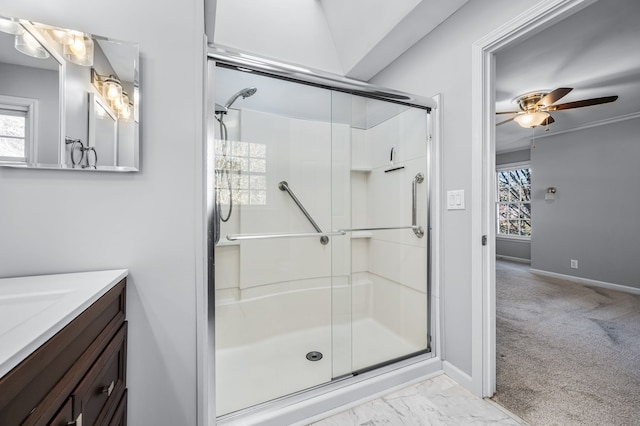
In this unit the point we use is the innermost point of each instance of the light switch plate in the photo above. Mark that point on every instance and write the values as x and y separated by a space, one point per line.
455 200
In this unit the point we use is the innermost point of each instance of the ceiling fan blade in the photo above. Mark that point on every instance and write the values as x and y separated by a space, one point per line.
505 121
508 112
554 96
582 103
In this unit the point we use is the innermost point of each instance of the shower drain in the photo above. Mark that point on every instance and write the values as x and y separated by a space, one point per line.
314 356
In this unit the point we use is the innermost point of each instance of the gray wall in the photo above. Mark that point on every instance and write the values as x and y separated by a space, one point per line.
594 218
520 249
149 222
43 85
512 248
513 156
441 63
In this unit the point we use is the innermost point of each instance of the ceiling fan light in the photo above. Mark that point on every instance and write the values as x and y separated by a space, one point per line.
531 119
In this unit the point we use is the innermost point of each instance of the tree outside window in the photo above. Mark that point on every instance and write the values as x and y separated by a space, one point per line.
12 135
514 202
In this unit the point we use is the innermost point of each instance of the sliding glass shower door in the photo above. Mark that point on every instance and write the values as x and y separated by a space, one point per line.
320 255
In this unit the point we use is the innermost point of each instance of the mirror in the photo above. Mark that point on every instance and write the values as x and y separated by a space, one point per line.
68 100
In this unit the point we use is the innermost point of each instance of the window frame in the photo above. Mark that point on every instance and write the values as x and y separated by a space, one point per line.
28 108
502 168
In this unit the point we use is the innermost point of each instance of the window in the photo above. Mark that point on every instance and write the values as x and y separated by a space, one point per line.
13 134
18 134
514 202
247 166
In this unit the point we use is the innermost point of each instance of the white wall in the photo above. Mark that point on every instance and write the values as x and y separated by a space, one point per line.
441 63
289 30
63 221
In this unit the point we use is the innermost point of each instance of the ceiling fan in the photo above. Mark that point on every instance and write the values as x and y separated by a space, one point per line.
536 106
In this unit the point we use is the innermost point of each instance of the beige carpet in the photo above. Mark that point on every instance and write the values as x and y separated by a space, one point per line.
567 354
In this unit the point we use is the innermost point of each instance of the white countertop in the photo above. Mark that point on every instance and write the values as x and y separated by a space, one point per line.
33 309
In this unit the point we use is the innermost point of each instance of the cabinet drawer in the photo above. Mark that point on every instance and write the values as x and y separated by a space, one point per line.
120 416
64 416
99 392
33 392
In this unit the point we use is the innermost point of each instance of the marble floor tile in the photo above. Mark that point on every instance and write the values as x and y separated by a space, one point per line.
438 401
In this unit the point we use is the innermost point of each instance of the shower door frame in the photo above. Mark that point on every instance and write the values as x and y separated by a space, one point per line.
411 363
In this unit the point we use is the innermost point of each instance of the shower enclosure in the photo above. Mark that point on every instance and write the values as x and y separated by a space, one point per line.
319 220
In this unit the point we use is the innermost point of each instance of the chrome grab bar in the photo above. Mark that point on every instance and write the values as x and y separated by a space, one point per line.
419 178
239 237
284 186
324 236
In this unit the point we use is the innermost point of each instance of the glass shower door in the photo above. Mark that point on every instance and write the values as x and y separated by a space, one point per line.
389 252
320 268
273 270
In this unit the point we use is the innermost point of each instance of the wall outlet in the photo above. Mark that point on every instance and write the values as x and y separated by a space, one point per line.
574 264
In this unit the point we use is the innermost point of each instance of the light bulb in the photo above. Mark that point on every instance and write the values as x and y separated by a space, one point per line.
125 112
112 89
77 46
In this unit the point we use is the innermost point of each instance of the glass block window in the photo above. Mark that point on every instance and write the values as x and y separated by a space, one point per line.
241 172
514 202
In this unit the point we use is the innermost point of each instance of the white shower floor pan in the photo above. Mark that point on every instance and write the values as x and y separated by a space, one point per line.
267 369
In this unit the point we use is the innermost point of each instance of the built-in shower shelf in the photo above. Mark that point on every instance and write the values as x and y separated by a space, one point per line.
361 169
361 234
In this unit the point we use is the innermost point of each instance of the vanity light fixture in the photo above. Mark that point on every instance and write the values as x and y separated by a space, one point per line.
27 44
111 90
531 119
78 48
123 108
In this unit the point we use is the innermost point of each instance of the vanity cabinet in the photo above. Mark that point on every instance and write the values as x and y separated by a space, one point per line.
77 377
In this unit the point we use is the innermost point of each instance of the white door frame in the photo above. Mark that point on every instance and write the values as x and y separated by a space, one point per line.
541 16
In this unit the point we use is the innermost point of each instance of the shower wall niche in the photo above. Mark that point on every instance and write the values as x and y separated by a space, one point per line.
292 311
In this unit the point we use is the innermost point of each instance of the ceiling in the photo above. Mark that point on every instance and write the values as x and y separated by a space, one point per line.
370 34
596 51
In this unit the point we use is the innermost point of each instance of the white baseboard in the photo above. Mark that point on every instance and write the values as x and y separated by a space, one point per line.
587 281
513 259
458 375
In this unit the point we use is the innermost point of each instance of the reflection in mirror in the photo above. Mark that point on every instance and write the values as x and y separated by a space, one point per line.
103 131
59 85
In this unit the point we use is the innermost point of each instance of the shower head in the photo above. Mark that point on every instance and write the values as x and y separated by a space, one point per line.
245 93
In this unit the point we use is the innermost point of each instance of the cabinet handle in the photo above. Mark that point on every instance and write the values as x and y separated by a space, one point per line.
108 389
76 422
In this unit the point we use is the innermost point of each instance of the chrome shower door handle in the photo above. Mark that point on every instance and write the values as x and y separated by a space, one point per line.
419 178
